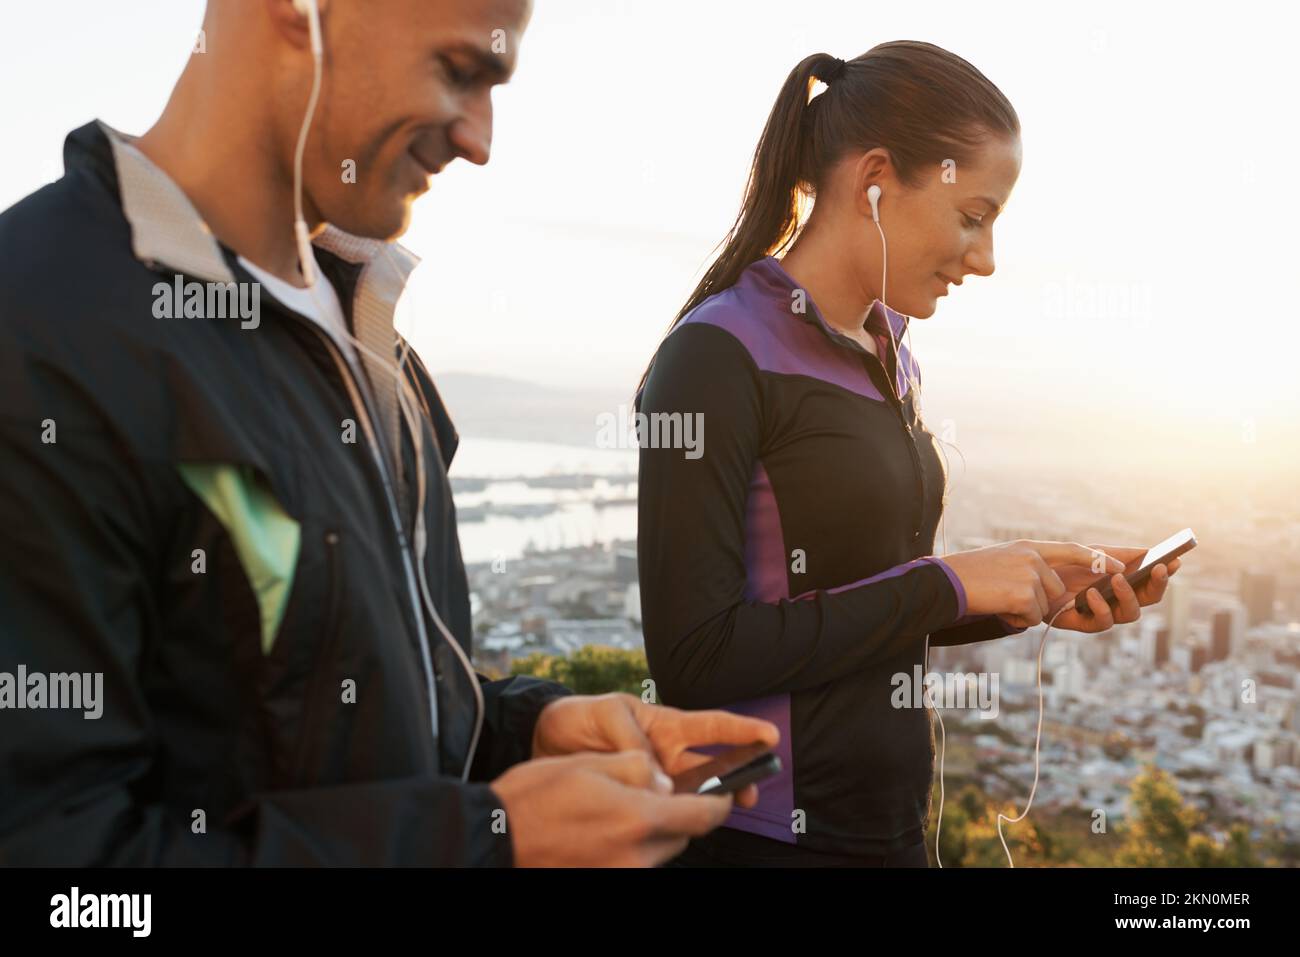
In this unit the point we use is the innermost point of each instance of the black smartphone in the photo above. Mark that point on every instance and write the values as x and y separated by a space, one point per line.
729 771
1138 570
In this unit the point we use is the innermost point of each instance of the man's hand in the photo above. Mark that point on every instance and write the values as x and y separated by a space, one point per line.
1075 577
600 810
623 722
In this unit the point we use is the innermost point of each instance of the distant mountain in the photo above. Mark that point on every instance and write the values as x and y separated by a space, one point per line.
496 407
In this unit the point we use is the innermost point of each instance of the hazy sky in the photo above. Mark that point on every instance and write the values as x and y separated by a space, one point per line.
1145 262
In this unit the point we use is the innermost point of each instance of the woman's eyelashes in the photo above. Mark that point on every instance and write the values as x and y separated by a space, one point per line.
971 222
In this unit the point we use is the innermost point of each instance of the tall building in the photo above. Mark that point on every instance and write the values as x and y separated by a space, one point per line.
1227 630
1177 604
1257 592
1153 646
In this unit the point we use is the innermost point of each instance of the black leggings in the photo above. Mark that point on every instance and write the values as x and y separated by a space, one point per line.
727 847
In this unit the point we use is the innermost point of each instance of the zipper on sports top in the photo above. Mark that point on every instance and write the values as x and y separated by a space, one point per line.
909 439
358 403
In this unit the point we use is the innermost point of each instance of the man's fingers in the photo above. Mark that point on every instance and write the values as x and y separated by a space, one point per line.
685 760
637 769
694 728
663 851
619 727
687 814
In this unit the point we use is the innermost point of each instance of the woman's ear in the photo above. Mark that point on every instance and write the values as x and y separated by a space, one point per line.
873 168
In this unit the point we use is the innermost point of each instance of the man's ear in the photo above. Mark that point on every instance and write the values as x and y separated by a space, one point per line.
291 23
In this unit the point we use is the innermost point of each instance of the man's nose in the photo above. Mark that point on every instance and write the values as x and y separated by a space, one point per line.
471 135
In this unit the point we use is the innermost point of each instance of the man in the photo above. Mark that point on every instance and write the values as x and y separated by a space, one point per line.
233 610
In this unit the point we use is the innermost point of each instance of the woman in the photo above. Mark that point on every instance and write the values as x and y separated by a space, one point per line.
786 572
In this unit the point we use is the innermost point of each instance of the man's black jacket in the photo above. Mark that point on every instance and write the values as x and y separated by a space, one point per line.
194 508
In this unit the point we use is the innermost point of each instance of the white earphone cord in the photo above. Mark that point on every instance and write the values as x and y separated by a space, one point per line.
307 263
943 743
943 735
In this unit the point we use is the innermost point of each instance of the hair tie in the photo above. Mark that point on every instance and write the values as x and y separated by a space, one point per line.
832 73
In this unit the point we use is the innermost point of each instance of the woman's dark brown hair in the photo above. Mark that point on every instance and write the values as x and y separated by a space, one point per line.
917 100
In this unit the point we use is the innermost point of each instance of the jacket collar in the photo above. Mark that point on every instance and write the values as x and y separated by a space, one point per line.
166 229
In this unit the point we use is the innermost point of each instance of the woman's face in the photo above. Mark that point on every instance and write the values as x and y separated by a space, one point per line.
942 228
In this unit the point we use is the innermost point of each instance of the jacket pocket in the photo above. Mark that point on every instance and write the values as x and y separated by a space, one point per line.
264 535
322 683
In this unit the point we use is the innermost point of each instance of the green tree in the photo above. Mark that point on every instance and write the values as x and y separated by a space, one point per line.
592 669
969 835
1162 831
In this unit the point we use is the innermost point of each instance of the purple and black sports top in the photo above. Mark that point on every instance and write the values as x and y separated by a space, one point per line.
786 572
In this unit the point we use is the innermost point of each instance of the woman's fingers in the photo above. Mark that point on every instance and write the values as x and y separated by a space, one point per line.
1072 553
1040 600
1129 608
1101 612
1124 553
1053 587
1153 589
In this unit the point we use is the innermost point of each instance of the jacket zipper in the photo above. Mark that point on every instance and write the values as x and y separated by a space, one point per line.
359 405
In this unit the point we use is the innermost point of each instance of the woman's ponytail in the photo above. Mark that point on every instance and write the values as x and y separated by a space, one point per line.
770 213
921 102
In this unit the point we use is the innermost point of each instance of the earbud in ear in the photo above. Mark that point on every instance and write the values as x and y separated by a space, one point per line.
873 196
310 11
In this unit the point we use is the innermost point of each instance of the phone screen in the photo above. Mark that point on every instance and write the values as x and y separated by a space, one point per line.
716 771
1160 553
1139 569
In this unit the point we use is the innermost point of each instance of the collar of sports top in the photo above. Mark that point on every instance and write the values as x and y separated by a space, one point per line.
880 318
167 230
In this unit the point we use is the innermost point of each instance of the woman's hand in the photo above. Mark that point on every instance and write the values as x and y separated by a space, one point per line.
1027 582
1131 600
1018 580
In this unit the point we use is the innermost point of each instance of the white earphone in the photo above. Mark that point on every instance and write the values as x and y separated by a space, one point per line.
873 196
307 263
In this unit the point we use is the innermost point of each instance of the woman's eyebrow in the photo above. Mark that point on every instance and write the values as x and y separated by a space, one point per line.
996 207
